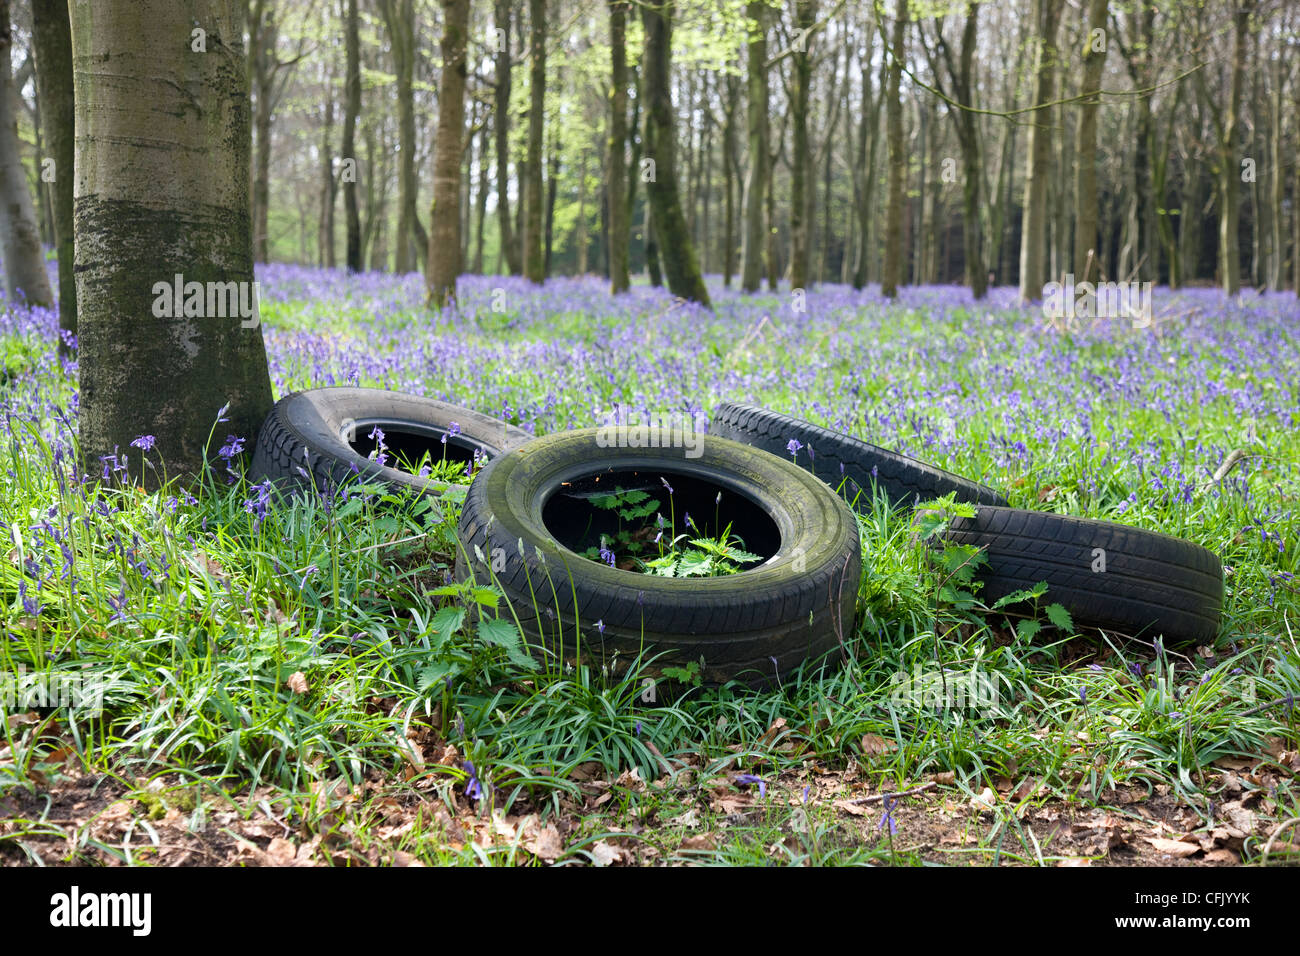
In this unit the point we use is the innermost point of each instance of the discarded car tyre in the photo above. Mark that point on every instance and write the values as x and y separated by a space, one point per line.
905 480
529 513
327 433
1141 583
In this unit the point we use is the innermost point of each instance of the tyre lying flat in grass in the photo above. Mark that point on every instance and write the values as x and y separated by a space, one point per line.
330 433
1141 583
904 480
531 514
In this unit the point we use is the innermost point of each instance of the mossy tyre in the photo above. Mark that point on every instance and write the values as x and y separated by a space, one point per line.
838 457
528 514
326 432
1140 583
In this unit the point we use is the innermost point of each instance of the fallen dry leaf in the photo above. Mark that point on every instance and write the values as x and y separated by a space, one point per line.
402 858
873 744
704 841
1176 848
546 844
605 854
983 800
297 682
944 778
1074 861
281 852
855 809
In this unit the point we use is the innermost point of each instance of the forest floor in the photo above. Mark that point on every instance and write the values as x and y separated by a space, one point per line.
297 684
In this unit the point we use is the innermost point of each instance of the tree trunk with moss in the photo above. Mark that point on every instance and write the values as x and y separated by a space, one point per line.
618 212
162 181
444 217
677 252
892 270
52 37
25 273
534 248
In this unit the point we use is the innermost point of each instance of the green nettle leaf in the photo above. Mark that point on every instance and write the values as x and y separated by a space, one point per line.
1060 617
665 566
694 564
448 621
605 502
1015 597
501 632
1027 629
487 597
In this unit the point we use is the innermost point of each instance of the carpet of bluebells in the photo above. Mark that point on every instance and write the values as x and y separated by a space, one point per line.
1098 419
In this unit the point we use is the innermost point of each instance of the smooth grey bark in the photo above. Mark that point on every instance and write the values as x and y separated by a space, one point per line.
52 38
619 234
411 242
755 188
534 252
351 111
25 274
1086 211
681 268
1033 234
162 189
510 250
444 217
893 266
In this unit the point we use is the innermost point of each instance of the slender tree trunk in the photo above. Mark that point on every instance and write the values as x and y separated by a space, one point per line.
411 241
1229 165
501 130
675 247
552 181
534 250
1276 182
729 183
1033 234
753 238
1086 265
893 267
25 274
263 34
444 215
619 233
484 147
328 184
805 14
351 111
652 267
52 37
162 189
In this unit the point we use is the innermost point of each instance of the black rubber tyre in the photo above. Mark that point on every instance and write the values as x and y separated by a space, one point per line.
311 430
905 480
1140 583
793 607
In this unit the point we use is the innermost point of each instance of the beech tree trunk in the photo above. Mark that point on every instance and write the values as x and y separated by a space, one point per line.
444 216
351 111
534 248
25 275
618 212
52 37
676 250
753 239
1086 211
893 266
1229 162
411 242
501 130
805 15
1033 234
162 190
